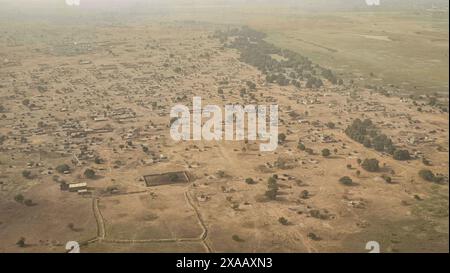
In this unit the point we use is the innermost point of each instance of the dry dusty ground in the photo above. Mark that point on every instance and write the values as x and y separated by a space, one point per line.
133 67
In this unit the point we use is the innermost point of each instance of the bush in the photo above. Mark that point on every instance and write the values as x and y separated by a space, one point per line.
26 174
237 238
250 181
387 178
272 186
371 165
427 175
21 242
98 160
346 181
301 147
430 176
283 221
89 173
221 174
402 155
271 194
326 152
62 168
331 125
19 198
281 138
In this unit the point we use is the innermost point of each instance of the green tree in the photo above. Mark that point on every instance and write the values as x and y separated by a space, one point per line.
402 155
250 181
272 190
345 180
283 221
326 153
89 173
19 198
427 175
26 174
21 242
371 165
301 147
62 168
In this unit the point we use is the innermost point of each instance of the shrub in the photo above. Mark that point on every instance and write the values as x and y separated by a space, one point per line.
387 178
221 174
19 198
272 186
430 176
301 147
371 165
326 152
271 194
346 181
237 238
272 183
250 181
26 174
331 125
283 221
21 242
402 155
62 168
99 160
89 173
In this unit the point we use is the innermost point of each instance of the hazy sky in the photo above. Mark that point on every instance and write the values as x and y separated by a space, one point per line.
47 6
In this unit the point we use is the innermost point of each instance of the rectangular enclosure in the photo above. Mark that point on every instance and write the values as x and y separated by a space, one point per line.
166 178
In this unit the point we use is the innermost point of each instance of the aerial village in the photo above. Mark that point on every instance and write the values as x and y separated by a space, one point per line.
86 153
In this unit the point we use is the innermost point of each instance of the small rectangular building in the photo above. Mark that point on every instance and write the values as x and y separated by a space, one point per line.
75 187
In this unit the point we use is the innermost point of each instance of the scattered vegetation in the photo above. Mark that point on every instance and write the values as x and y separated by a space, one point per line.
89 173
347 181
283 221
63 168
366 133
428 175
326 153
250 181
290 69
273 188
371 165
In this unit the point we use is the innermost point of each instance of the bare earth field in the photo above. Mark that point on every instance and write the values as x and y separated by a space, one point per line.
99 99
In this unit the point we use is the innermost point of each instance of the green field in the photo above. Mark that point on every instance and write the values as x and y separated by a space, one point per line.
408 49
